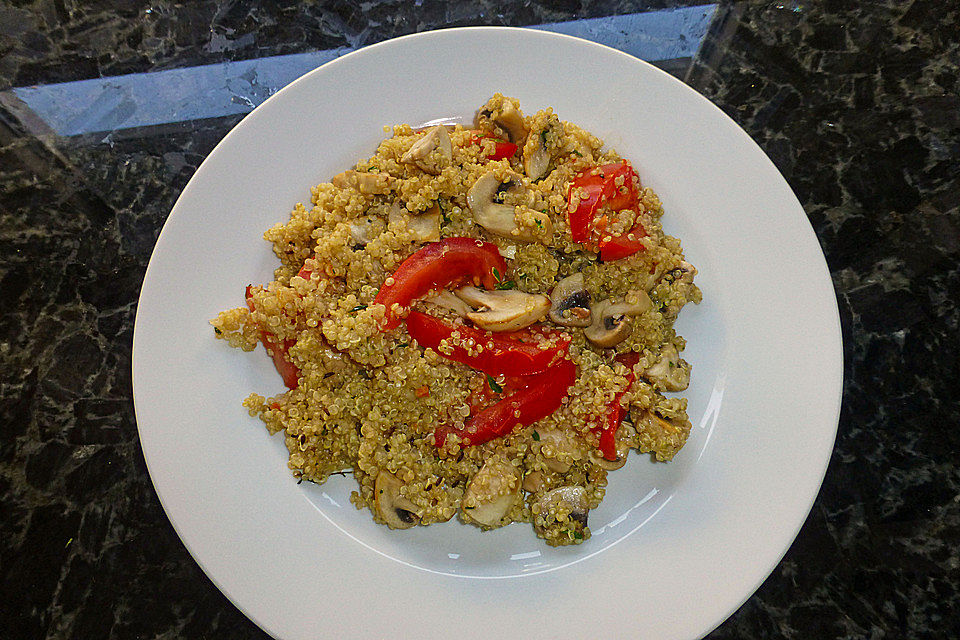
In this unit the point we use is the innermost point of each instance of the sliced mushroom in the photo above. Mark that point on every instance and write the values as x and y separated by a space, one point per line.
424 227
501 219
367 183
570 302
491 493
508 310
432 152
536 153
610 325
661 436
447 300
610 465
397 511
669 372
532 482
566 506
505 118
559 450
363 230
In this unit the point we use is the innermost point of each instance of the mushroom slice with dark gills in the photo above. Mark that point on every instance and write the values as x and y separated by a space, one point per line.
562 511
611 321
397 511
536 152
501 116
669 372
570 302
364 229
492 492
432 152
516 222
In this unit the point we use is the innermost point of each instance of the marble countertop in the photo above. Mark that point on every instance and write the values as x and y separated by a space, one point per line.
857 103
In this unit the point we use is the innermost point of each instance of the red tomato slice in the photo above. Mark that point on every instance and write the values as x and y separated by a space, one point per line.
542 396
452 261
619 247
597 187
614 416
278 351
512 354
502 149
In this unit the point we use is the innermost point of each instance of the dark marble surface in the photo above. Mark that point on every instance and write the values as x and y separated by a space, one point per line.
858 104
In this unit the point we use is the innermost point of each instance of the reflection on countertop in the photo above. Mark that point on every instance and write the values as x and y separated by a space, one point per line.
106 111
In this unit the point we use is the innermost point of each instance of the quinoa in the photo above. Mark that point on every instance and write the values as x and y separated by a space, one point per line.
371 400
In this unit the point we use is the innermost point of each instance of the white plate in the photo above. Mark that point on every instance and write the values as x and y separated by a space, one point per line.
676 548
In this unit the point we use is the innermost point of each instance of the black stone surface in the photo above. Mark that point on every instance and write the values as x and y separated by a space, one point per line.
857 103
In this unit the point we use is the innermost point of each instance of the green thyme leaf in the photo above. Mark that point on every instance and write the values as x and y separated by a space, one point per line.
359 307
217 330
496 274
536 436
507 284
496 388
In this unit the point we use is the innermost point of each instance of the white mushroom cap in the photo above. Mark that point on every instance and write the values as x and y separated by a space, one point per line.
432 152
397 511
367 183
508 310
424 227
570 302
501 219
669 372
491 493
610 324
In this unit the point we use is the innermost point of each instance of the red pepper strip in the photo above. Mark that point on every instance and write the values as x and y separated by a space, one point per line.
287 370
542 396
619 247
502 149
502 354
596 187
437 265
608 430
305 272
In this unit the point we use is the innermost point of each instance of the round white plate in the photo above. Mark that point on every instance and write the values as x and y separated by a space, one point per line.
676 547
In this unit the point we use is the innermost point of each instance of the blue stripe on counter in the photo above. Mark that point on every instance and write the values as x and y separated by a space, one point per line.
230 88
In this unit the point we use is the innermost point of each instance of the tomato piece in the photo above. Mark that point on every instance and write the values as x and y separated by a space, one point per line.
502 149
278 351
542 396
622 246
614 415
597 187
512 354
452 261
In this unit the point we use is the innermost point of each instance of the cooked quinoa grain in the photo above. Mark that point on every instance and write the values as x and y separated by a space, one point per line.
476 322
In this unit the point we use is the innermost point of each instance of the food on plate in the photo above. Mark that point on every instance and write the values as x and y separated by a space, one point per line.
477 321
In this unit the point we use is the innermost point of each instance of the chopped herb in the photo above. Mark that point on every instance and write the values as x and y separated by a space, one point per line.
507 284
496 274
543 137
359 307
578 154
496 388
469 507
217 331
403 344
536 436
578 535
